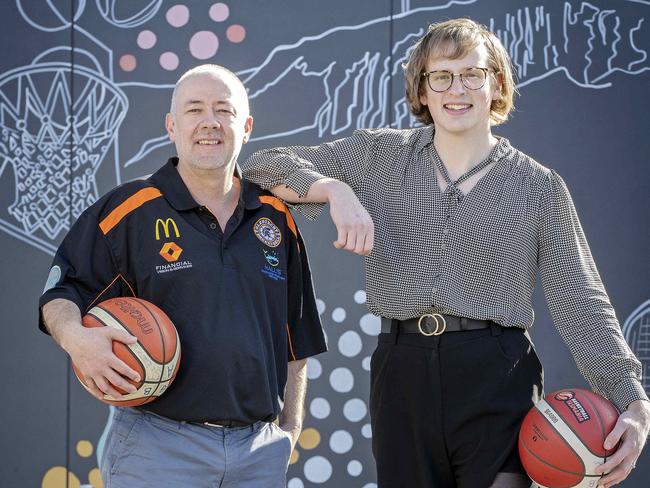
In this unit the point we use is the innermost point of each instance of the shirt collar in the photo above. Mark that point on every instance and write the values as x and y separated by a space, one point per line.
425 138
173 188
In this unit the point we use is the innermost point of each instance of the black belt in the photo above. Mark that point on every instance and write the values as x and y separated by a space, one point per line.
434 324
223 423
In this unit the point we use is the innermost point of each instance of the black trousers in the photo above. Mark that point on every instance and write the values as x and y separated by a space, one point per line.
446 410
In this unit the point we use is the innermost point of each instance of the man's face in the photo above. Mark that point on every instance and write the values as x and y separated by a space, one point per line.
211 121
460 110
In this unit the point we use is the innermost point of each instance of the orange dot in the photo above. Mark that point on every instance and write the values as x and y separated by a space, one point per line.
236 33
58 477
295 455
95 478
128 62
309 438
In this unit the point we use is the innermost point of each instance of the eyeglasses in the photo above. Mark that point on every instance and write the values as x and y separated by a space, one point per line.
471 78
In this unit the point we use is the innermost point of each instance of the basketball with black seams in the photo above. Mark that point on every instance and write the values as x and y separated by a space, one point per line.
156 355
561 438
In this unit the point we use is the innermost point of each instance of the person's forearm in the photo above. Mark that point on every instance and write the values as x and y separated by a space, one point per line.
292 413
320 191
60 317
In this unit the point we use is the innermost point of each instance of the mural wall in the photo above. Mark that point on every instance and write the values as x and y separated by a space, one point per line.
85 85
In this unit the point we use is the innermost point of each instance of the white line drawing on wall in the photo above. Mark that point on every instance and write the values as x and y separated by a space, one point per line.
582 41
636 331
108 10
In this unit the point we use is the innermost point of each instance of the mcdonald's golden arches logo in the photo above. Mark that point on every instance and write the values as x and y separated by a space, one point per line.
166 225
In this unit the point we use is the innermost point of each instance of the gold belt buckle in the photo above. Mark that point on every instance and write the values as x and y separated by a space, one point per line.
438 331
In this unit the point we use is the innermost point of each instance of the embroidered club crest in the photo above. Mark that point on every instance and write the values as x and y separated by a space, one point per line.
267 232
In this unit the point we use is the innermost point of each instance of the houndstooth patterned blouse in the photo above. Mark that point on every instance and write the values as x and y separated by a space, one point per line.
474 255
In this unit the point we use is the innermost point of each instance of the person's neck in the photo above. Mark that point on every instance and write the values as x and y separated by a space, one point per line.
213 188
461 152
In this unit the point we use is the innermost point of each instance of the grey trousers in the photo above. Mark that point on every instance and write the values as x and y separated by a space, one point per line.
146 450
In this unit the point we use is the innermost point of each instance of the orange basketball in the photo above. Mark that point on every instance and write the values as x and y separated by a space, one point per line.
561 438
156 355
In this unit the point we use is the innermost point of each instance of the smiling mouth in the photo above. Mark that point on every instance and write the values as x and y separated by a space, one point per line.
457 106
208 142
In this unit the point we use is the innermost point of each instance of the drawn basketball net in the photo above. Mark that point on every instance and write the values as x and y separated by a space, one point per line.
55 139
637 334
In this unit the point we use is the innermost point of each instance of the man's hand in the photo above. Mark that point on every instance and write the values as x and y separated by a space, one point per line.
293 432
91 349
631 430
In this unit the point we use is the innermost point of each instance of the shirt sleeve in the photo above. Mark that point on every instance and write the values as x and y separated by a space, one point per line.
578 302
298 167
305 332
83 270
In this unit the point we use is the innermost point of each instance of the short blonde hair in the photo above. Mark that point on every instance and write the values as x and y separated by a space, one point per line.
453 39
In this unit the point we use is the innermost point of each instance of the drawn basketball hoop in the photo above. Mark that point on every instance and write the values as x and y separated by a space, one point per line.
54 139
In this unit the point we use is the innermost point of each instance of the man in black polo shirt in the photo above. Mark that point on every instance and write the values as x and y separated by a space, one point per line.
237 286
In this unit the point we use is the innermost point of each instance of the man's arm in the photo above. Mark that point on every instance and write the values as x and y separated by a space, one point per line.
91 349
293 412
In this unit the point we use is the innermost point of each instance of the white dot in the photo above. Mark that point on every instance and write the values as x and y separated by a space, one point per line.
360 296
354 410
318 469
338 314
365 364
354 468
366 431
295 483
350 343
319 408
314 369
370 324
341 380
320 305
341 442
370 485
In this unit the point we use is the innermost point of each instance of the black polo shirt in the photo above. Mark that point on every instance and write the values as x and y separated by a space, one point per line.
242 299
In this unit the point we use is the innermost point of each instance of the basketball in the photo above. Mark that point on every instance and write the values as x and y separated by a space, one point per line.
156 355
561 438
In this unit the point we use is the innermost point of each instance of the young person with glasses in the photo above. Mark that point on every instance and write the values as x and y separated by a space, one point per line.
463 222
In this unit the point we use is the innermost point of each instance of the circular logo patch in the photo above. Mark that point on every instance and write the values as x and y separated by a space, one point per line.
53 278
267 232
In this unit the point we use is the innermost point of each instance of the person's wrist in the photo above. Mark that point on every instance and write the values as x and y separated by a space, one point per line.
335 189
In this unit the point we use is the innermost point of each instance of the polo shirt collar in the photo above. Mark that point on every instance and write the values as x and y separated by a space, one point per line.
169 182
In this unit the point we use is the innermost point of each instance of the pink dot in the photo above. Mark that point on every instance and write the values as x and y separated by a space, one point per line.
169 61
236 33
128 62
147 39
204 45
178 15
219 12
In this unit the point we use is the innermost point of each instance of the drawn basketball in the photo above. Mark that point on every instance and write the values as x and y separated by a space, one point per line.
561 438
156 355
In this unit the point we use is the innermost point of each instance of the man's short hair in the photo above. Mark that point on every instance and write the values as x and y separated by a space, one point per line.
202 70
453 39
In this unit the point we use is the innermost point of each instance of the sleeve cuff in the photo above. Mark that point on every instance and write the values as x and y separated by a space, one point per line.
626 392
300 182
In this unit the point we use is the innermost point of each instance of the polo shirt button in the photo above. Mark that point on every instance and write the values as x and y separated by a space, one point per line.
213 225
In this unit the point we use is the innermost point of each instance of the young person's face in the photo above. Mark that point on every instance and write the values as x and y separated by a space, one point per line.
460 110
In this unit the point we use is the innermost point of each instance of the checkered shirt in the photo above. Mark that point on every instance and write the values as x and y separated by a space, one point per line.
474 255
